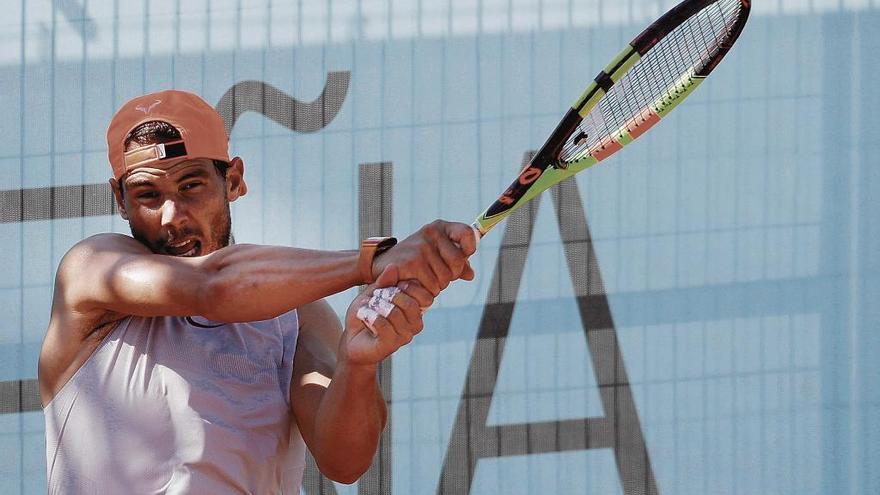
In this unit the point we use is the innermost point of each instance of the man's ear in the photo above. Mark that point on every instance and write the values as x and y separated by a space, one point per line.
117 195
235 184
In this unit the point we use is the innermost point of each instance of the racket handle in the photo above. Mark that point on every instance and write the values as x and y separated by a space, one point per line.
478 234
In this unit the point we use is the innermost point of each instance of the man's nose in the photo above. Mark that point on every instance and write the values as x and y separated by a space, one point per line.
173 213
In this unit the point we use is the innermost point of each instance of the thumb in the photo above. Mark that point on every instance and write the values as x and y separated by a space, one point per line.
464 236
468 272
389 276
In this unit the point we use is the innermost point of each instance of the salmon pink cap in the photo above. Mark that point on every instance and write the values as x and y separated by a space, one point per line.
202 131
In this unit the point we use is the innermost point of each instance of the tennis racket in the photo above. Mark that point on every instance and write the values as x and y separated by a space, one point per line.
639 87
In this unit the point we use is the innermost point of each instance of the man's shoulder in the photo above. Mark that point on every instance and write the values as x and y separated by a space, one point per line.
108 241
81 254
75 327
84 260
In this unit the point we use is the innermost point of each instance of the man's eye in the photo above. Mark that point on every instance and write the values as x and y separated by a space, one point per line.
191 185
147 195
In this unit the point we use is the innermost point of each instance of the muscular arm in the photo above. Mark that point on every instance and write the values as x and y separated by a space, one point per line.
340 420
116 273
244 282
108 276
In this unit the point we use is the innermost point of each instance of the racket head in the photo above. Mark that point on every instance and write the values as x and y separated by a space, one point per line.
641 85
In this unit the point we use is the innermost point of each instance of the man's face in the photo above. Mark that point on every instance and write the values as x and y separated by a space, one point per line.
182 211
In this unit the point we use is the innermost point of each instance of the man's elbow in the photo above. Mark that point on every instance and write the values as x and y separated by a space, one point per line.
347 465
343 472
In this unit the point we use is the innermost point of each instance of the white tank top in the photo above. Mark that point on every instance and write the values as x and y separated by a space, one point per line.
179 405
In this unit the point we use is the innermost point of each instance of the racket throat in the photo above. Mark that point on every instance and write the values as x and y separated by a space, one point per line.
550 155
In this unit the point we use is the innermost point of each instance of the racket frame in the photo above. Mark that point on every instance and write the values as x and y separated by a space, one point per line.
546 168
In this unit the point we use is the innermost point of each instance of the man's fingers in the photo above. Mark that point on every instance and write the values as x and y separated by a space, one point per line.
409 308
380 327
428 280
467 273
381 303
393 330
413 289
464 235
368 317
441 271
401 326
388 277
452 255
423 271
392 301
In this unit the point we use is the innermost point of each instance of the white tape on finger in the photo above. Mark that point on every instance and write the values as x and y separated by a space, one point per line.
387 293
381 306
368 316
373 303
385 307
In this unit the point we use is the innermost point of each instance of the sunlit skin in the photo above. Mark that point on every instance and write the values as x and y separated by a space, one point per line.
182 211
182 214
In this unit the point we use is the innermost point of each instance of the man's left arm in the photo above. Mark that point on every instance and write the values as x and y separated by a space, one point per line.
334 393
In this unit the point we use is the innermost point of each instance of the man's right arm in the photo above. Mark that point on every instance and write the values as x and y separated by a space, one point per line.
116 273
244 282
108 276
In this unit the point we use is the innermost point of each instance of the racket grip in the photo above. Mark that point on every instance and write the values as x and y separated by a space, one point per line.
478 234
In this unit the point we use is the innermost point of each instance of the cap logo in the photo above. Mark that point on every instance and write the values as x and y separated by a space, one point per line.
149 108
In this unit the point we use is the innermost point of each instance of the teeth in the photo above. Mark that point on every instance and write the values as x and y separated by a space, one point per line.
182 245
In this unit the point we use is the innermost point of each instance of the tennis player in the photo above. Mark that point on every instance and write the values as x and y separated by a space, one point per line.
178 362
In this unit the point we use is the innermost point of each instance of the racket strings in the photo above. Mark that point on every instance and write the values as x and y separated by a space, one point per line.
662 74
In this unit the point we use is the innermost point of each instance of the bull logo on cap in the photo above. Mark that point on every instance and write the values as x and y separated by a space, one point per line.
147 109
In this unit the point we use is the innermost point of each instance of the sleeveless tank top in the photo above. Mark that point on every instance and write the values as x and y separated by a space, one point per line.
179 405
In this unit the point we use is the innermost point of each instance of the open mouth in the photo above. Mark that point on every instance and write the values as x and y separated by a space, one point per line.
187 248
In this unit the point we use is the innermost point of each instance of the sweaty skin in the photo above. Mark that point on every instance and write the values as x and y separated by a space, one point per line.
178 263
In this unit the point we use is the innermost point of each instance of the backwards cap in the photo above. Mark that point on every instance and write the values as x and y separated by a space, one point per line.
202 132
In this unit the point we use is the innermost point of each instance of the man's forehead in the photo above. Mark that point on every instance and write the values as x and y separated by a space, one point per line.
174 172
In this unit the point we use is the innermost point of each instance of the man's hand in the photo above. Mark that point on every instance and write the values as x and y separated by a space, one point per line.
435 255
393 322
